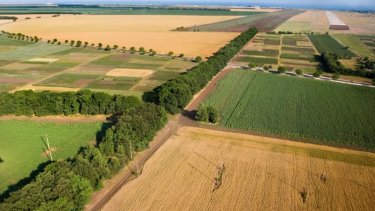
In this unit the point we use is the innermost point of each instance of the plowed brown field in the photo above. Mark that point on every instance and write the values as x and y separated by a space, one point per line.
260 174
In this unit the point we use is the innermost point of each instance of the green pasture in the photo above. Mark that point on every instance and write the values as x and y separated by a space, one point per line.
31 51
291 107
114 83
257 60
22 148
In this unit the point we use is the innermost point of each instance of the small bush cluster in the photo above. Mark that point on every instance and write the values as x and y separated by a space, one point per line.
207 114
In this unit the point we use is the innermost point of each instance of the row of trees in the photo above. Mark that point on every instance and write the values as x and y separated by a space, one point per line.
68 184
13 18
64 103
330 63
175 94
20 36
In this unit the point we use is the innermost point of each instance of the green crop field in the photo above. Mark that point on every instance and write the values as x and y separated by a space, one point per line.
291 107
257 60
325 43
79 67
355 44
22 147
264 52
31 51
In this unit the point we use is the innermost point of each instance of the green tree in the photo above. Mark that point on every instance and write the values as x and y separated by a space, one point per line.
335 76
132 50
107 48
86 44
100 45
213 114
79 43
115 47
252 65
72 42
181 55
202 113
170 53
265 67
198 59
281 69
317 74
299 72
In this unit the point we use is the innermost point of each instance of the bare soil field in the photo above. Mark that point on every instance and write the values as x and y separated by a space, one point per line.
309 21
357 22
138 31
129 72
260 173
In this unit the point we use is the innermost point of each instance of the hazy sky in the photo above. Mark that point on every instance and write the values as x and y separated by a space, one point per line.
316 3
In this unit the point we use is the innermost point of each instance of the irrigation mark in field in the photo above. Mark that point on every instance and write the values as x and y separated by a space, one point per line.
361 185
243 94
207 160
302 192
207 177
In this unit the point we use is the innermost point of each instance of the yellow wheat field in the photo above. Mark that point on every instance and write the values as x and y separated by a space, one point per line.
148 31
260 174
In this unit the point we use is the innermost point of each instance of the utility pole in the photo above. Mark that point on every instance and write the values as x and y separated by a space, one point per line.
49 149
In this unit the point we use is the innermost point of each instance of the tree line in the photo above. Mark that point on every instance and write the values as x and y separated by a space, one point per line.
63 103
330 63
68 184
175 94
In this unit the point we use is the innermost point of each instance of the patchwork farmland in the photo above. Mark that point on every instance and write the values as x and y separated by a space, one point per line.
296 108
266 173
66 68
290 51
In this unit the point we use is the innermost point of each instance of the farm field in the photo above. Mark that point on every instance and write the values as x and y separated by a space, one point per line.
262 173
290 51
65 68
326 43
139 31
369 41
23 148
355 44
303 109
264 22
306 22
360 24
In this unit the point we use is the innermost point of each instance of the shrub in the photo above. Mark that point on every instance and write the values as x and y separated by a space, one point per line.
265 67
213 114
107 48
317 74
252 65
335 76
170 53
299 72
197 59
281 69
202 113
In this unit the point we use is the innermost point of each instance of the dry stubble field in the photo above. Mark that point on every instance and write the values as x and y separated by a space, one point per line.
261 174
308 21
148 31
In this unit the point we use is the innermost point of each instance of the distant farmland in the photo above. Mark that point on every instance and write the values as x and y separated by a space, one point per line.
325 43
321 112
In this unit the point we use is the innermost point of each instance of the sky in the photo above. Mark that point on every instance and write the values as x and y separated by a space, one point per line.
341 4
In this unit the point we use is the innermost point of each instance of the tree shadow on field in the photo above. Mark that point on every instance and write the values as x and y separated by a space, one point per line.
189 114
20 184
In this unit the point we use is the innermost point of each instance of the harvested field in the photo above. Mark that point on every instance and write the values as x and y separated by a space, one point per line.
261 173
335 23
317 111
123 72
264 22
358 23
139 31
255 10
306 22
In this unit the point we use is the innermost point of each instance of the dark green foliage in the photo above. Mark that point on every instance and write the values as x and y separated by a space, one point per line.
317 74
207 114
66 103
197 59
330 63
67 185
56 187
327 44
1 160
175 94
281 69
299 72
335 76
